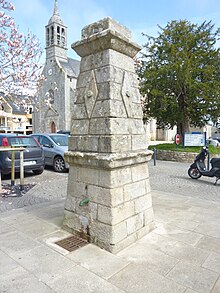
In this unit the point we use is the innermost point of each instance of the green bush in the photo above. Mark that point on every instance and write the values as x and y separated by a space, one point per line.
180 148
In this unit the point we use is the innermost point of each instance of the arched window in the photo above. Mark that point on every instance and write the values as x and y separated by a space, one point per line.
63 38
52 35
48 37
58 35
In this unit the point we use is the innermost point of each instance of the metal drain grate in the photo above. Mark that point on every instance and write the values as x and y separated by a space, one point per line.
72 243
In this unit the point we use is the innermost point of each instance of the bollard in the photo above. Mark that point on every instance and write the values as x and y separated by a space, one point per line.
0 182
12 168
155 156
21 170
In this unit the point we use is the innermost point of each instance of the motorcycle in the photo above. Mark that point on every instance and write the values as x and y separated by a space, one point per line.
198 168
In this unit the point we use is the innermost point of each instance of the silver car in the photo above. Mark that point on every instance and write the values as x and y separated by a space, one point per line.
54 146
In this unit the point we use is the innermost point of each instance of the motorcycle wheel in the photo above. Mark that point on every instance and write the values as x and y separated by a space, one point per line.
194 173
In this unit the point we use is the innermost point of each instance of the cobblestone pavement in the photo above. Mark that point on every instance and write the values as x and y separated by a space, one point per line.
49 186
172 177
165 176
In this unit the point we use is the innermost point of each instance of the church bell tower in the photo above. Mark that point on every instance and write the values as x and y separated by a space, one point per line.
56 37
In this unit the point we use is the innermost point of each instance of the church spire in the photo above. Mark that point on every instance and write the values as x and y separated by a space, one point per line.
55 17
55 11
56 36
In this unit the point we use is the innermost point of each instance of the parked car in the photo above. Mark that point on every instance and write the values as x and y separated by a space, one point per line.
54 146
211 141
33 153
64 132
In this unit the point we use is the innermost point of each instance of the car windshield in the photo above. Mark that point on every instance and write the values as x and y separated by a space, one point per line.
61 140
22 141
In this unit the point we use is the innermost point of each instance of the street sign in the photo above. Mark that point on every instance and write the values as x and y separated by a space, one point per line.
177 139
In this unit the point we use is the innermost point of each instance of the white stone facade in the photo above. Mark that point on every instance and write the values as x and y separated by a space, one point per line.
57 93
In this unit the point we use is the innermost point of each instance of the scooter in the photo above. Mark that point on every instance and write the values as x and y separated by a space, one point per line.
198 168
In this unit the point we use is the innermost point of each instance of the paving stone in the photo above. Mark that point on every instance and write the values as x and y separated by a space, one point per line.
209 243
44 263
209 228
7 263
137 278
213 262
165 214
5 228
184 251
174 232
18 218
152 259
159 242
184 224
208 211
194 277
20 281
98 260
216 288
35 228
80 280
16 243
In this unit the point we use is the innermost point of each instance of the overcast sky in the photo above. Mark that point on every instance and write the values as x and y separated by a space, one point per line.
138 16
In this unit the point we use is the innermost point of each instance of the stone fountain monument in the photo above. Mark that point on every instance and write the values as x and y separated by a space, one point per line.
108 195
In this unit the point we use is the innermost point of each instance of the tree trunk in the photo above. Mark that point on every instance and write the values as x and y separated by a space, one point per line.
183 124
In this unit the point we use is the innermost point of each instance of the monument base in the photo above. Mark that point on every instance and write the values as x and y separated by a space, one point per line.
109 198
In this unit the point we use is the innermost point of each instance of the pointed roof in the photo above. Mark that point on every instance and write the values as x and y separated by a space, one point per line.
55 17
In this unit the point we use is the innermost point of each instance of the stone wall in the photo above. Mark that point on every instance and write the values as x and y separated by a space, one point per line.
183 157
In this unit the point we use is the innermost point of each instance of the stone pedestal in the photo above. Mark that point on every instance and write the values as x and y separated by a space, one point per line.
108 195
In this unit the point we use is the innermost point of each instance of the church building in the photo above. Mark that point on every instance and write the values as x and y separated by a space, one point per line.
56 95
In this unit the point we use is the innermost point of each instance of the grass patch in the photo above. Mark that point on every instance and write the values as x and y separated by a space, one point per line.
172 147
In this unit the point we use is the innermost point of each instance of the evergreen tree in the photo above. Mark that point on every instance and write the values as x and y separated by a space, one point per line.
180 75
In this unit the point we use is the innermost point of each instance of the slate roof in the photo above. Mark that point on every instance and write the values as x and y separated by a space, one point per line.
71 67
15 108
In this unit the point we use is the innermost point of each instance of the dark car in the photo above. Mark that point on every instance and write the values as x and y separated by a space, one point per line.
54 146
64 132
33 153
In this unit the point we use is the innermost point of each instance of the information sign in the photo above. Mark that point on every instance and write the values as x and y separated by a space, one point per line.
194 139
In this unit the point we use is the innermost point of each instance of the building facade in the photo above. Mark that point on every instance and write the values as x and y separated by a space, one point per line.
56 95
13 118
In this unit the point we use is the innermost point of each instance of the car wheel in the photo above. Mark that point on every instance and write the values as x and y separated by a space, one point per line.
59 164
194 173
38 172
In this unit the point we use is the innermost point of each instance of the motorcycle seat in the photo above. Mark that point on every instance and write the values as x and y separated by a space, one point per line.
215 160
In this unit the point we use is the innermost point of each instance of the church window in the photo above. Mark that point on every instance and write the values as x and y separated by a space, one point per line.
51 96
48 37
52 36
58 35
63 37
